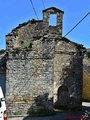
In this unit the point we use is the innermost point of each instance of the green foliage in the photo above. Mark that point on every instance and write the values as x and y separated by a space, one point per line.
25 43
18 113
41 112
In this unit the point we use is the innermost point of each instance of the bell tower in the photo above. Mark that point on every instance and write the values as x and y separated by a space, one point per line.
59 17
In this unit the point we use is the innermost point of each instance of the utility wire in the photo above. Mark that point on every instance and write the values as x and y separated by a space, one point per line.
34 9
77 24
43 4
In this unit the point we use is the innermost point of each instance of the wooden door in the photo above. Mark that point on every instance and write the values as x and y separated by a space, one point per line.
63 96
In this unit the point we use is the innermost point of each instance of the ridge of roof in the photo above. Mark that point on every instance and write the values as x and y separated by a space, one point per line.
33 21
54 8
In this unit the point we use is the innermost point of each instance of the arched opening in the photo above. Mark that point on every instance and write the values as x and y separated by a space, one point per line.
53 20
63 97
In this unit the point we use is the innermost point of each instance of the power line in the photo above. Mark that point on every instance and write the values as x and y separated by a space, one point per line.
34 9
43 4
77 24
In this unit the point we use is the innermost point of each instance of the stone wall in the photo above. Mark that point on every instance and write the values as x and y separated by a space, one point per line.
27 80
30 77
68 72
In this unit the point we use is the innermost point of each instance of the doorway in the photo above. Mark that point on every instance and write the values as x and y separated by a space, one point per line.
62 97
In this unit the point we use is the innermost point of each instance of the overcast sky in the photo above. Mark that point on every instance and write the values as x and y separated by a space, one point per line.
14 12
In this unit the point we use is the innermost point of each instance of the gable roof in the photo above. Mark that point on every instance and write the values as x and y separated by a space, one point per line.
53 8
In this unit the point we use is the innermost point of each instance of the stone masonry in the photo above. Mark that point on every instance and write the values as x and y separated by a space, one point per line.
44 69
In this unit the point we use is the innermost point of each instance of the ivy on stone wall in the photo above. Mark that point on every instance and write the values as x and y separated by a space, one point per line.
25 43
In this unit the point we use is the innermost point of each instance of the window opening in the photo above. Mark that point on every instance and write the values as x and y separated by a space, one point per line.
53 20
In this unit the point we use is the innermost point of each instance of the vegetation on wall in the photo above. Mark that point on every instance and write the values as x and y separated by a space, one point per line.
25 43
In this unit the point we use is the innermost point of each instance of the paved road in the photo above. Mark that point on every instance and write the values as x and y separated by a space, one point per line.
59 115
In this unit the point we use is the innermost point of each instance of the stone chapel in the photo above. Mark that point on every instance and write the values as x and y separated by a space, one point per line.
43 68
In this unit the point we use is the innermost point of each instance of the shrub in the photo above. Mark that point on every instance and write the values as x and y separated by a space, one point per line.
41 112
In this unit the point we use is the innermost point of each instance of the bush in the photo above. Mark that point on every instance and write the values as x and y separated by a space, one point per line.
41 112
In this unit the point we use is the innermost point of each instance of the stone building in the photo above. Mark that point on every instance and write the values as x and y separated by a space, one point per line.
43 69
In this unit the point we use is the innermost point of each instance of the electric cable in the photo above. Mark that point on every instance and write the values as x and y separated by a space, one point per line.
34 9
43 4
77 24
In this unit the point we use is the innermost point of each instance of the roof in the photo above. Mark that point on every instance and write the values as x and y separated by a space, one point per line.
53 8
2 51
33 21
76 44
